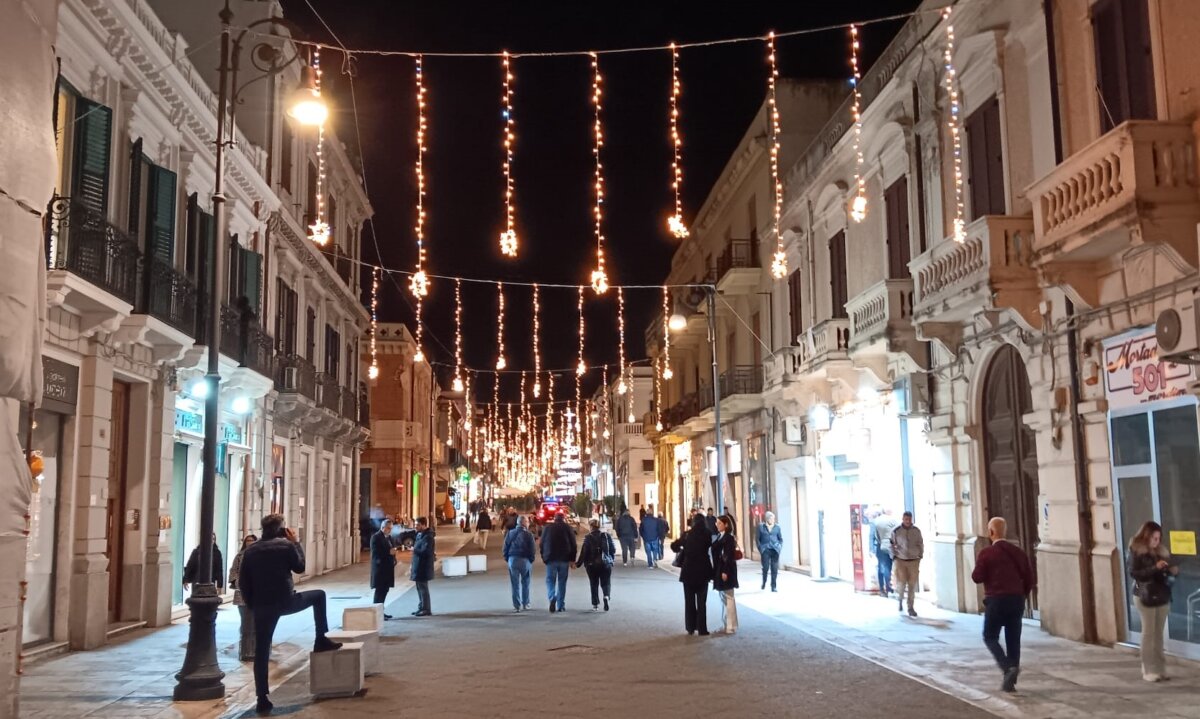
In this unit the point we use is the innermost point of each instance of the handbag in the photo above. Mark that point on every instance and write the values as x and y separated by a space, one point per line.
678 560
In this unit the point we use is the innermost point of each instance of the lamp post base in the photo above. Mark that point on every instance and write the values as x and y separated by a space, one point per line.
200 678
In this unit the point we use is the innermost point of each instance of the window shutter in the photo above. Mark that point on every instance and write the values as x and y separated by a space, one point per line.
192 236
795 306
837 272
161 238
93 125
896 202
995 159
252 279
977 176
135 187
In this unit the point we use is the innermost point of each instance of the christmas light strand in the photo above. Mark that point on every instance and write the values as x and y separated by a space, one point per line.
675 223
458 337
373 370
318 231
418 283
779 261
621 388
658 425
581 367
599 275
420 355
537 343
631 417
501 363
858 207
667 372
508 238
953 124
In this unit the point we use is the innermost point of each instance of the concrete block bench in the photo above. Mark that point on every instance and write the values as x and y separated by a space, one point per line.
368 618
336 674
454 567
476 562
370 646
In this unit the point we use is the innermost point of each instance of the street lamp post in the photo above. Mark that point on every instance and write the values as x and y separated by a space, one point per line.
200 677
711 301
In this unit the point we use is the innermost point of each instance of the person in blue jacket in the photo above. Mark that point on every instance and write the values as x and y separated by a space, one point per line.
770 543
422 566
627 533
650 536
519 554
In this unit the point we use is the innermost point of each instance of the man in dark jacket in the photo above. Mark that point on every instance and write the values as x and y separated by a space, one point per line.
664 530
265 581
383 563
519 553
627 533
191 570
695 574
483 527
422 566
1007 578
650 533
558 552
770 544
710 521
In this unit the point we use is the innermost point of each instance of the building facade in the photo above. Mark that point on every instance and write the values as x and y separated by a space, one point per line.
620 455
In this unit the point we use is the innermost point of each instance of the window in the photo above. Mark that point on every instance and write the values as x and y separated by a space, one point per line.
310 335
731 350
285 318
795 307
895 200
1124 65
333 351
152 206
837 274
752 216
286 142
647 465
755 342
86 131
985 160
332 218
245 276
310 205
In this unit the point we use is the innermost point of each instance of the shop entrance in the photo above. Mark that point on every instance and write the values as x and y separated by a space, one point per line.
1009 452
115 533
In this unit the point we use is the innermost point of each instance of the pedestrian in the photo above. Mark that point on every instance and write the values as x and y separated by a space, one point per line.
882 527
421 571
627 533
1150 566
558 552
664 531
1007 578
710 521
650 534
770 544
246 631
695 572
641 514
483 527
908 547
518 553
383 564
725 555
510 519
597 556
191 570
265 581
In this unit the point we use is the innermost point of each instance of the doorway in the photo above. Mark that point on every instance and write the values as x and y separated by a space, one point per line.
1009 452
116 496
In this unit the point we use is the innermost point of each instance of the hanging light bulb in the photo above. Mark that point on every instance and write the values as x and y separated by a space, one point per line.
675 222
418 283
508 238
458 335
858 207
621 387
953 124
318 232
373 370
537 347
599 275
581 367
779 259
501 363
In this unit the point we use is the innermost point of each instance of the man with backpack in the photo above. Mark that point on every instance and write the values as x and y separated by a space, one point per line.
597 555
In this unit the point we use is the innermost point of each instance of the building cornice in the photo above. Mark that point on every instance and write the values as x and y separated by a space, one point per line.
330 282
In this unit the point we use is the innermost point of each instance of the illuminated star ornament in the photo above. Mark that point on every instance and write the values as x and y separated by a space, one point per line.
418 283
318 231
508 238
858 208
599 275
779 261
952 123
675 222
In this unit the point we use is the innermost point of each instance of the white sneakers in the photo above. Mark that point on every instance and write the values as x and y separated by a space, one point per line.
1153 677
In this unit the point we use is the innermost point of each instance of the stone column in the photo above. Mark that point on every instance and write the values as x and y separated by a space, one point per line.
139 450
158 569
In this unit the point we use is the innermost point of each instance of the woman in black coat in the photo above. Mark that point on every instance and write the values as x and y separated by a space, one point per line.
695 573
383 563
725 580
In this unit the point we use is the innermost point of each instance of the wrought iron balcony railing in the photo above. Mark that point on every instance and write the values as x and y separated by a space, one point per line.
85 244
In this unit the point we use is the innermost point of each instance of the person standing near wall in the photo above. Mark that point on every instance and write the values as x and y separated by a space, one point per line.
908 548
421 571
383 564
1150 566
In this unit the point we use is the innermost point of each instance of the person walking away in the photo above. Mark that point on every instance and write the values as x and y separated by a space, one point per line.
483 527
383 564
597 556
421 571
1150 566
191 570
1007 578
518 554
627 533
695 572
725 555
649 532
710 521
882 527
265 581
558 552
246 633
664 531
770 544
908 548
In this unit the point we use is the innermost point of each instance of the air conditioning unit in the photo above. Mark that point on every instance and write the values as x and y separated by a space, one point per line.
795 431
1176 333
291 378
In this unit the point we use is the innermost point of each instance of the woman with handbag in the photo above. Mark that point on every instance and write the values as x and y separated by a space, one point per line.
695 571
725 554
597 555
1151 569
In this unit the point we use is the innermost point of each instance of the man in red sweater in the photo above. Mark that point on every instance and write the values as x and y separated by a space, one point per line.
1007 578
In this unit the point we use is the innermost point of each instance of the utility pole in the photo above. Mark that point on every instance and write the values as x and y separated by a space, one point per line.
711 296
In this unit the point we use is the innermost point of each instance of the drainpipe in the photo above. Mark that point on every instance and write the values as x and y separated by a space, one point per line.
1083 489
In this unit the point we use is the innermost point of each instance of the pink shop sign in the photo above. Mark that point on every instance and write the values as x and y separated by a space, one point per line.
1134 375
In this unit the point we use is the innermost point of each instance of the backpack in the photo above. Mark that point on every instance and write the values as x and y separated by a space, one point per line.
600 557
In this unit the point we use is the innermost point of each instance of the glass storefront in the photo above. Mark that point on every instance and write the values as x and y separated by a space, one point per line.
45 445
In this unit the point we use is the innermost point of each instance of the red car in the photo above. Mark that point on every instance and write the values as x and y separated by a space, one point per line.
546 512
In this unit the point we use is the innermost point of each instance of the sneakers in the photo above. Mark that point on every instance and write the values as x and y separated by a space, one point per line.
325 644
525 608
596 608
1152 677
624 564
423 614
264 706
912 612
516 610
773 589
1010 680
606 604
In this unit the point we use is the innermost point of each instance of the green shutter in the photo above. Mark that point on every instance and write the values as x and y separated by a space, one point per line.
135 188
93 126
252 279
160 241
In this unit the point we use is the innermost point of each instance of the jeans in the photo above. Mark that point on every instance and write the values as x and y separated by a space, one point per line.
628 550
519 571
695 607
658 547
728 611
908 577
265 619
423 597
1153 621
556 583
770 563
883 571
246 640
1004 612
652 552
381 596
599 578
481 536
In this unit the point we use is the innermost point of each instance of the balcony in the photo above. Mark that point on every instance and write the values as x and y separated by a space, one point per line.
737 268
329 393
990 269
781 369
364 406
1137 183
741 390
164 316
881 318
296 375
93 266
675 419
349 404
826 342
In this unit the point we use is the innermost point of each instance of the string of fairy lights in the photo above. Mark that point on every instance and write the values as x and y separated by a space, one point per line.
535 438
318 231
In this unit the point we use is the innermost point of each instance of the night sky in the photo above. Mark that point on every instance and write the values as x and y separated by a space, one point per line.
723 86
